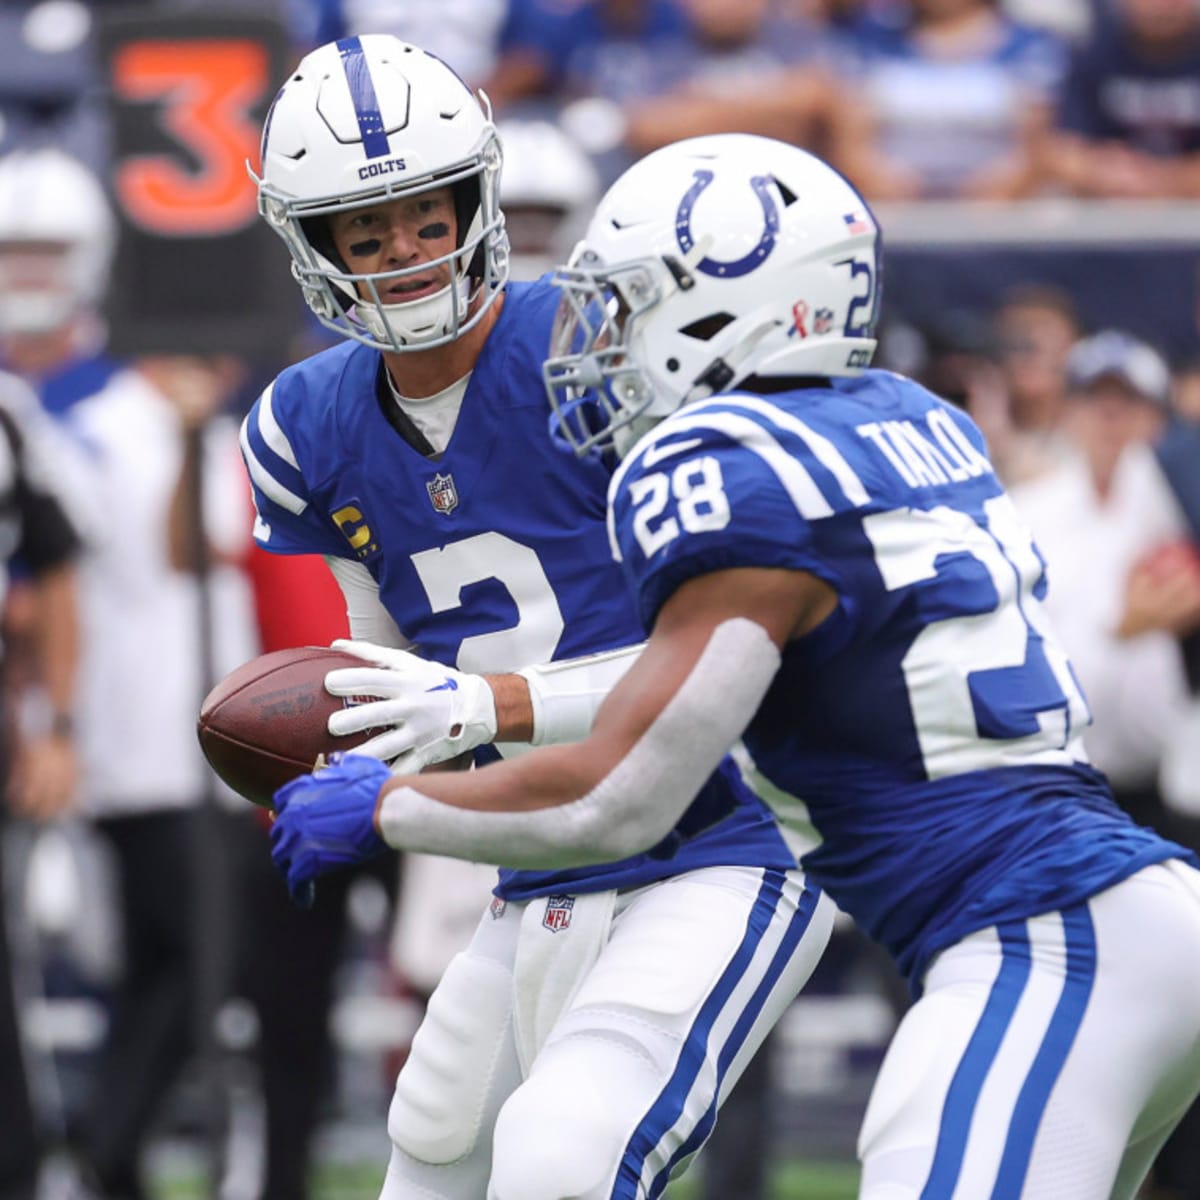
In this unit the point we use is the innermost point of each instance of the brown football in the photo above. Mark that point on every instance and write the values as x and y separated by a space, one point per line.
264 723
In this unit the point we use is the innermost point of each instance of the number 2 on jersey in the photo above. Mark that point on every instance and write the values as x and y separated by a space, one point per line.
444 572
987 682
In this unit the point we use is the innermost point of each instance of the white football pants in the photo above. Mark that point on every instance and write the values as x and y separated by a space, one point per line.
580 1046
1047 1059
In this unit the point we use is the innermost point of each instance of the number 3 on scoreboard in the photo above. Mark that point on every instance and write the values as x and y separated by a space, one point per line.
207 90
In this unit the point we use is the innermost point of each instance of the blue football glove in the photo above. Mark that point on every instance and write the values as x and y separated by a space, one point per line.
326 820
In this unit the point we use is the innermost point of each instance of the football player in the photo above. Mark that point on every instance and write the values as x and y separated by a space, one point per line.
829 567
582 1043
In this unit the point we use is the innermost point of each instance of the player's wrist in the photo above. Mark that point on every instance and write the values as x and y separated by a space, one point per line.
565 696
513 708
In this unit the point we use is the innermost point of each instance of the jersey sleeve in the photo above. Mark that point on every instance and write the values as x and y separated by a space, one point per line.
736 484
273 444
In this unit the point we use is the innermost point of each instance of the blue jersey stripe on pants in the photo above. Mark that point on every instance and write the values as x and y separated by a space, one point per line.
666 1111
1056 1045
963 1093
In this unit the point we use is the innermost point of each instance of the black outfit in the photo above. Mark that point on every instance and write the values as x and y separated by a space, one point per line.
1114 91
34 530
153 1027
289 964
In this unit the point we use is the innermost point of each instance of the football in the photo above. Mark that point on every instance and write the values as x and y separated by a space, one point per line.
265 722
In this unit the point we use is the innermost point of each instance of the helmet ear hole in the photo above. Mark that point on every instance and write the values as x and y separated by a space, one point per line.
316 229
707 328
467 202
789 197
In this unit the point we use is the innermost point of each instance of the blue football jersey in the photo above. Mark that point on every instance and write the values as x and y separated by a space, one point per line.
932 723
491 556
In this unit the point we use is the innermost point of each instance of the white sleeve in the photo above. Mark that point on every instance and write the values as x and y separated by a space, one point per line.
369 620
669 764
567 695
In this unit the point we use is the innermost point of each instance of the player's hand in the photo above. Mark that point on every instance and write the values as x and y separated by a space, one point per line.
1162 592
44 778
426 712
326 820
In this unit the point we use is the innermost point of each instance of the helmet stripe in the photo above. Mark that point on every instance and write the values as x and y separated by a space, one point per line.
362 93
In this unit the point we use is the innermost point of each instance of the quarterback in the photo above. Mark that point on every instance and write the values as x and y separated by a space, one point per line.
829 569
417 458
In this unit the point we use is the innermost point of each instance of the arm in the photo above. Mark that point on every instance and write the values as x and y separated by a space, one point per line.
792 105
664 728
854 147
197 389
44 774
1022 172
430 712
542 705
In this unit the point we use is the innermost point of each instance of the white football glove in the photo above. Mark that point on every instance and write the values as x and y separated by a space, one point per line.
426 712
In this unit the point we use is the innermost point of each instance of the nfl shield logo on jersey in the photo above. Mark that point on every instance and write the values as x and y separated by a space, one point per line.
443 493
558 912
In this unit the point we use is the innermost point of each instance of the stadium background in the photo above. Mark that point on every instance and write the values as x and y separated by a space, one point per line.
954 251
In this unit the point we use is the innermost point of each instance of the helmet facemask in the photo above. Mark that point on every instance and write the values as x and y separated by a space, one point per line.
597 390
352 303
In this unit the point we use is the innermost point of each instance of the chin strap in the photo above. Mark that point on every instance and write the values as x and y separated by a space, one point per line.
722 372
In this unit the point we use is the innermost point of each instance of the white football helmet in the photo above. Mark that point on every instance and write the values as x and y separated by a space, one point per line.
57 237
710 260
370 119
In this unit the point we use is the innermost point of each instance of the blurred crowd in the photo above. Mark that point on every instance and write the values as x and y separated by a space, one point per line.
979 99
111 640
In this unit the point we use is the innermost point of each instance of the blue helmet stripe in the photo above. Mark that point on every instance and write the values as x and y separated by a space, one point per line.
362 93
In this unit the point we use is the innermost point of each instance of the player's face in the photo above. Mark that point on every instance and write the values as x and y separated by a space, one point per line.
36 291
728 24
1034 342
399 235
1161 20
936 10
1109 416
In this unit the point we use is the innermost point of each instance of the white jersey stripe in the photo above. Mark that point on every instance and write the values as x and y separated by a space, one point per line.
827 454
265 481
271 431
797 482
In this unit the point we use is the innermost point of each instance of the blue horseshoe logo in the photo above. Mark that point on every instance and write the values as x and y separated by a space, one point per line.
741 266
